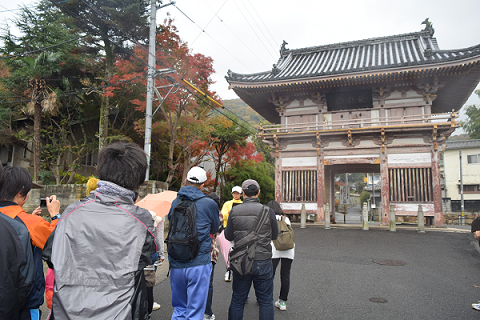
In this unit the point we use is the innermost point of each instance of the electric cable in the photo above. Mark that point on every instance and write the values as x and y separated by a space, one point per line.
42 49
258 27
254 31
261 20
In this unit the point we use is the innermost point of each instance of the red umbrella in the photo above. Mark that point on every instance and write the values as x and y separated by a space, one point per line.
159 203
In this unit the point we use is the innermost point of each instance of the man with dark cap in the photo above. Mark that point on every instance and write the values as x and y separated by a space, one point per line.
242 220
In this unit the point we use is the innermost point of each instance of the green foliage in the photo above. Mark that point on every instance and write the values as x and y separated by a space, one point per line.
265 150
242 110
45 176
77 178
263 173
364 196
472 124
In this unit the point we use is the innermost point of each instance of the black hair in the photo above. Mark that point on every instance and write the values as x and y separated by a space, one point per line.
276 207
215 198
15 180
252 190
193 184
124 164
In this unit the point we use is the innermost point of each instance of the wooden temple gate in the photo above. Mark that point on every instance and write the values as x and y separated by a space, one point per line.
382 105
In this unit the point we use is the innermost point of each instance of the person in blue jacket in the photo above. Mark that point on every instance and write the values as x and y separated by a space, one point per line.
189 280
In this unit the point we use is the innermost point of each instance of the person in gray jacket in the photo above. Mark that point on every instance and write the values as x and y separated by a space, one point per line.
102 243
242 220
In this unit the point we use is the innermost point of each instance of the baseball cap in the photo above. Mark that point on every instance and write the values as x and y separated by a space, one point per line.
197 175
237 189
250 184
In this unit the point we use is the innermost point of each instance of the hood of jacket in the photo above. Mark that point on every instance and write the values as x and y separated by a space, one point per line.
207 219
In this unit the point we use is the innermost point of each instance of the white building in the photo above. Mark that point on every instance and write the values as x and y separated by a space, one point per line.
469 153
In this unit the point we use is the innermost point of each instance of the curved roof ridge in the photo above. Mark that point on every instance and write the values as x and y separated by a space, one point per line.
342 45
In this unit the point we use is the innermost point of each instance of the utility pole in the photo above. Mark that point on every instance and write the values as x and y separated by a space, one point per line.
151 80
150 83
462 208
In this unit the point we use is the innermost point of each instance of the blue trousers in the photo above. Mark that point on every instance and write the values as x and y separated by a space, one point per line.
189 291
208 308
262 278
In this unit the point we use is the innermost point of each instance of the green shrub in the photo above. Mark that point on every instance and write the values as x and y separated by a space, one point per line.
364 196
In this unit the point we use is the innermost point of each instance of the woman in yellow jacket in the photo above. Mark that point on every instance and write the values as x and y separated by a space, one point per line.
224 243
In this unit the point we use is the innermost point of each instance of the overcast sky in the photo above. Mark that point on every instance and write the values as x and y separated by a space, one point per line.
245 35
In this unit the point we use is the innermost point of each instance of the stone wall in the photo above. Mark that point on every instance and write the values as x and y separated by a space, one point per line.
69 193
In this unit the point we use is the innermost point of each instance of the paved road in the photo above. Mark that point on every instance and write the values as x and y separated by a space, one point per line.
334 276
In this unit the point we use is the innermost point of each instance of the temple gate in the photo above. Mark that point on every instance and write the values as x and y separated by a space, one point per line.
382 105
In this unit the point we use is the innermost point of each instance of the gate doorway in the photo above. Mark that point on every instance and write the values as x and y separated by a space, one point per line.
344 184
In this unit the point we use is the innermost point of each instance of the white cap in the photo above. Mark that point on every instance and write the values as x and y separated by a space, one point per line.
197 175
237 189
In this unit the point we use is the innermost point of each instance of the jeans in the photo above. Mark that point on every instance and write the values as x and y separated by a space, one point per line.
262 278
190 291
286 265
208 308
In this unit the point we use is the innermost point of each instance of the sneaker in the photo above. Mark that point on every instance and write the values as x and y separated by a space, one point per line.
280 304
476 306
207 317
156 306
157 263
228 276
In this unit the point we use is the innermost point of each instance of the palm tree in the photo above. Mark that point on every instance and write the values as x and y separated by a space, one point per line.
37 69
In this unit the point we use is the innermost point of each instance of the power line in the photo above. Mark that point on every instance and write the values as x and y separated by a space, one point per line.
254 31
77 92
213 39
203 30
258 27
42 49
262 23
247 47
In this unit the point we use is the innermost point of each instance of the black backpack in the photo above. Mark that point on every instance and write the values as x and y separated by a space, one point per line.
182 239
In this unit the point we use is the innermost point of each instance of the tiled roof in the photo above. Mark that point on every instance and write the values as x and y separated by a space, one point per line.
463 144
412 49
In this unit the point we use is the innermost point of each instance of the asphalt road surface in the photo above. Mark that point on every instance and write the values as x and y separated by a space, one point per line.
349 273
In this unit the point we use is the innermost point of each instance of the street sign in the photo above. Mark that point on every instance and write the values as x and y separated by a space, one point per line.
344 195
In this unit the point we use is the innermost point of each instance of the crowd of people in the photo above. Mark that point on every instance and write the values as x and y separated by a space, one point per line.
103 250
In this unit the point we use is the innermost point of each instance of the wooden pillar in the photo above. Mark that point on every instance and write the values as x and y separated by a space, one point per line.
328 188
385 186
320 187
331 182
278 178
437 188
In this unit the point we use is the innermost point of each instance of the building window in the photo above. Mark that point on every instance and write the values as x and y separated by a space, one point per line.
469 188
90 159
410 184
299 186
473 158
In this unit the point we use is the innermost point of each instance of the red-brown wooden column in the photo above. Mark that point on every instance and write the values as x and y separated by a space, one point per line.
278 178
385 186
320 187
437 188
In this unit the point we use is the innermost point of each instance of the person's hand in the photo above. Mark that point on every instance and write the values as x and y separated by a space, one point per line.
37 211
53 205
477 235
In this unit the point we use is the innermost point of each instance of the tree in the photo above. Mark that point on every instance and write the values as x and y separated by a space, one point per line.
113 26
263 173
182 118
36 69
227 136
472 124
47 46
